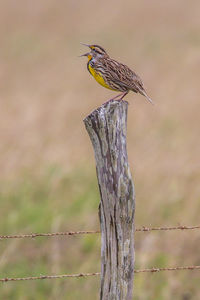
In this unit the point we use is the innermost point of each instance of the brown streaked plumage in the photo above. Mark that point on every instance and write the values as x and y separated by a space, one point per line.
112 74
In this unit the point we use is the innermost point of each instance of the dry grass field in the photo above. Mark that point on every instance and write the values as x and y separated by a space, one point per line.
47 179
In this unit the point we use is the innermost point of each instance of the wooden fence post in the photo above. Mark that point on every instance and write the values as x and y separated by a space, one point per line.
106 127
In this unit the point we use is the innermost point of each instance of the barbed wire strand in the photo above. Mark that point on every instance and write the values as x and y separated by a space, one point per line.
33 235
153 270
53 234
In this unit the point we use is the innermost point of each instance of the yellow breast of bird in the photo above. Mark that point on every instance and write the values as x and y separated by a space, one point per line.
98 77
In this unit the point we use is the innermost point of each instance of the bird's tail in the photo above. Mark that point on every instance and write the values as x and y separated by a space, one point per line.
142 92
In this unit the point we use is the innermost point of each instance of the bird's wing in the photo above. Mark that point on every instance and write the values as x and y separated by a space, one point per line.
124 76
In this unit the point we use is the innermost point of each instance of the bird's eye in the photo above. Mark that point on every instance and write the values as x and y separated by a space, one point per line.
97 51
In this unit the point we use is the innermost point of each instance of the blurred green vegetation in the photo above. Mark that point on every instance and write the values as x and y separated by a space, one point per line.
60 201
53 202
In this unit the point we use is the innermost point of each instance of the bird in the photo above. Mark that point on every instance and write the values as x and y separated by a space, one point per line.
112 74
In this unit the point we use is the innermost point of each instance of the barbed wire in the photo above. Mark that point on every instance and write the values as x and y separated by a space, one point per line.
33 235
180 227
53 234
153 270
48 277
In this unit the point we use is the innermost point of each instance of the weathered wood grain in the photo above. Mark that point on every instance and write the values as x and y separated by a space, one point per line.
106 127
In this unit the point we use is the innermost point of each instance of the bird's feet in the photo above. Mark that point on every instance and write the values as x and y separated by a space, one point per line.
119 97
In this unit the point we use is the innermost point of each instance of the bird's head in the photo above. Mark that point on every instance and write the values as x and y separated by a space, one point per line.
95 52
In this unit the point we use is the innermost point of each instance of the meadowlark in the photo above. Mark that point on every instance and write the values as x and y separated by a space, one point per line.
112 74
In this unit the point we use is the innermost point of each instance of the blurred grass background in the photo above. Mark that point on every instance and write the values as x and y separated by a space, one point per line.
48 181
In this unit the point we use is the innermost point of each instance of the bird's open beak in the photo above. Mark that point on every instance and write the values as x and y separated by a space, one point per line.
85 45
86 54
